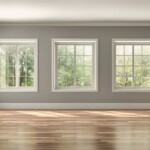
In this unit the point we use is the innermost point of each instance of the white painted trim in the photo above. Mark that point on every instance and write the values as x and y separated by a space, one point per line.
17 40
92 41
79 23
75 106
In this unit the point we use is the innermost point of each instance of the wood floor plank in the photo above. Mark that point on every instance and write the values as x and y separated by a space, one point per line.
74 130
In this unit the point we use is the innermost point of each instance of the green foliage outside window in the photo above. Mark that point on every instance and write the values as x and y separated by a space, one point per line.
74 63
16 64
132 66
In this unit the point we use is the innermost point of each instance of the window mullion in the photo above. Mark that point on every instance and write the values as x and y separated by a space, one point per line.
7 67
56 65
26 67
17 67
142 65
93 65
133 84
124 77
75 84
66 65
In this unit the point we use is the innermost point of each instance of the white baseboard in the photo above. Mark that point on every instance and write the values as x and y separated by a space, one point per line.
74 105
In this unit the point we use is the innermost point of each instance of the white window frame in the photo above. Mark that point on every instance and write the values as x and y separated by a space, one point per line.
129 41
95 64
19 42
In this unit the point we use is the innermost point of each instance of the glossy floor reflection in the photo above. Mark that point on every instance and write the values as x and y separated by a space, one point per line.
74 130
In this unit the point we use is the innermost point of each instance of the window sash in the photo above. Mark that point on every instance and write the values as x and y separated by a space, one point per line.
74 63
16 66
133 44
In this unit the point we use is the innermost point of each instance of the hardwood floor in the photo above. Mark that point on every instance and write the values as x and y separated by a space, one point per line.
74 130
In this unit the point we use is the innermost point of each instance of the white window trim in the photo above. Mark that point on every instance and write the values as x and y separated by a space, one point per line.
24 89
127 41
67 40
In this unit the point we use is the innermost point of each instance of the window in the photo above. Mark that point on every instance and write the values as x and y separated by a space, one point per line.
131 65
18 65
74 65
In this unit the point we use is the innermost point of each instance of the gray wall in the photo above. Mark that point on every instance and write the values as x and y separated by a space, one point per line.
104 34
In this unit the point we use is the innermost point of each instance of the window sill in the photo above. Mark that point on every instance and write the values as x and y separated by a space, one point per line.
132 90
19 90
75 90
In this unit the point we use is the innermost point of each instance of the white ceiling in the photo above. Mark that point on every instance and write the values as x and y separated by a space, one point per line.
48 11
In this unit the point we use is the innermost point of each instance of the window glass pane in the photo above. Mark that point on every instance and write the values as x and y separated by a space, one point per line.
146 71
30 81
146 60
30 71
23 81
128 60
137 71
137 60
146 82
22 55
128 81
120 71
70 61
61 50
80 76
3 82
88 71
119 60
12 50
69 76
23 71
138 81
12 71
120 82
137 50
79 61
128 50
2 56
70 50
30 56
119 49
12 60
7 62
61 61
146 50
61 76
88 60
80 81
88 81
11 81
88 50
3 50
84 81
79 50
123 82
128 71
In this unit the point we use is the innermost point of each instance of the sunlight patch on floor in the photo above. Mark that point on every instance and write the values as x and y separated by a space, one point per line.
46 114
117 114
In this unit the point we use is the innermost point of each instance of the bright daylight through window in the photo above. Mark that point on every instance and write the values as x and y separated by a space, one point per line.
131 65
74 65
18 65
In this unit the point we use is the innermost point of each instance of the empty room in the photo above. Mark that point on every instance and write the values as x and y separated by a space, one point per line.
74 75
